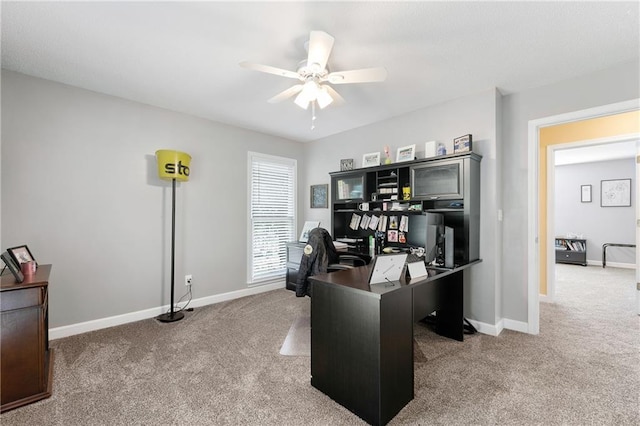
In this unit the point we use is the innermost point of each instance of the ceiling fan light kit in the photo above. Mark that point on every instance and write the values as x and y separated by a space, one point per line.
315 76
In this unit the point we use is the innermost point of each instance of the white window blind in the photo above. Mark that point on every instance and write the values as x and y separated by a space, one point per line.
272 214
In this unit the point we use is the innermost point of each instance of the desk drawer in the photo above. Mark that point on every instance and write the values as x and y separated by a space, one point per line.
294 254
22 298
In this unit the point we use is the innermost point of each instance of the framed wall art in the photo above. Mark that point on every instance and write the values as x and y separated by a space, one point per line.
320 196
585 193
615 193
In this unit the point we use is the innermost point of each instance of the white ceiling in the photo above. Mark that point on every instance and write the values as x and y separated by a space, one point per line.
593 153
184 55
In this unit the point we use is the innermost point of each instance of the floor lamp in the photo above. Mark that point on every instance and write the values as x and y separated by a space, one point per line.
174 166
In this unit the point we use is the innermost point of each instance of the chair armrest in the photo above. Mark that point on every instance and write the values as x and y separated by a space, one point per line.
338 267
351 259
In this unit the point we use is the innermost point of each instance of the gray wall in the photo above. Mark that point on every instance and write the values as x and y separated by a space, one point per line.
616 84
476 114
79 186
597 224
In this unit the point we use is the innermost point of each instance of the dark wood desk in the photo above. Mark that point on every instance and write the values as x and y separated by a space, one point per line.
362 335
25 358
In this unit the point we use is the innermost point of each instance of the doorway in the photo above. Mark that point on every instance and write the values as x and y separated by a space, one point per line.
539 251
585 164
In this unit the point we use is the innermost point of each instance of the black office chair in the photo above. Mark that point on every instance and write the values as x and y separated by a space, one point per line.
320 256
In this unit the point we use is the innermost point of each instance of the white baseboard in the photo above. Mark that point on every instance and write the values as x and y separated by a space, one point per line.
620 265
495 330
520 326
612 264
85 327
484 328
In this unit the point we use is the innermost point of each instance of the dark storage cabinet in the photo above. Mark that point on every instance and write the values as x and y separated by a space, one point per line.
438 180
447 185
26 360
571 250
294 256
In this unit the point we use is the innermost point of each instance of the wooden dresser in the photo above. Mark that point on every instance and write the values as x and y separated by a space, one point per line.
26 360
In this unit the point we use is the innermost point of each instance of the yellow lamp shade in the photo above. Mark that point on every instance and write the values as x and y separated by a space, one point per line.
173 164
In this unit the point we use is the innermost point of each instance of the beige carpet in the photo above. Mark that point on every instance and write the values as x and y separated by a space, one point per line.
221 365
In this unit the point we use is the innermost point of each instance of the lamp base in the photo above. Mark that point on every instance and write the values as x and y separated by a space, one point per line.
170 317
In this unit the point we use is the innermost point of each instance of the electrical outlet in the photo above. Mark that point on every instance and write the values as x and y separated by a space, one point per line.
187 280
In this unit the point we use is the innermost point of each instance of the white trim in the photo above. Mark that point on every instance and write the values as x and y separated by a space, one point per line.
615 264
551 224
85 327
278 159
484 328
533 308
638 226
543 298
520 326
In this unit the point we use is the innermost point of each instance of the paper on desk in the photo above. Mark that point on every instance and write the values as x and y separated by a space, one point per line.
417 269
340 246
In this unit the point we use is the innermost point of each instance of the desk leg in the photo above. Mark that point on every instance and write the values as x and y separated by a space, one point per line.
449 318
362 350
444 296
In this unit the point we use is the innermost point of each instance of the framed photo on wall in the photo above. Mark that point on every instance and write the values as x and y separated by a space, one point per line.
615 193
320 196
585 193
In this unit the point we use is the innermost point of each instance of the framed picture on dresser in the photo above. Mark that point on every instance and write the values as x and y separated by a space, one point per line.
15 270
20 254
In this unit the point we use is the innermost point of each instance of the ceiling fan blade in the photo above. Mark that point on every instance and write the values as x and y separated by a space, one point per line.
286 94
269 69
365 75
337 99
320 45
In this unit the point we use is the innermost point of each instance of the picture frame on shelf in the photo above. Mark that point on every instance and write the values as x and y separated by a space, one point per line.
585 193
346 164
320 196
615 193
462 144
371 159
308 226
406 153
20 254
15 270
430 149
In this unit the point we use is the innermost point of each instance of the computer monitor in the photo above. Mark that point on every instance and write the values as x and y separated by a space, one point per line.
423 232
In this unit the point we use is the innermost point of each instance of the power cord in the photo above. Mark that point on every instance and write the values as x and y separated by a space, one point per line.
184 308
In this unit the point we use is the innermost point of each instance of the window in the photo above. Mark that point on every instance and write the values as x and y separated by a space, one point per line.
272 214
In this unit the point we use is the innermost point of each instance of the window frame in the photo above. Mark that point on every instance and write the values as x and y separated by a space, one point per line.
280 274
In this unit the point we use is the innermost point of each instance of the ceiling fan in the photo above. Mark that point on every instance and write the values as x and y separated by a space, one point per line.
315 77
